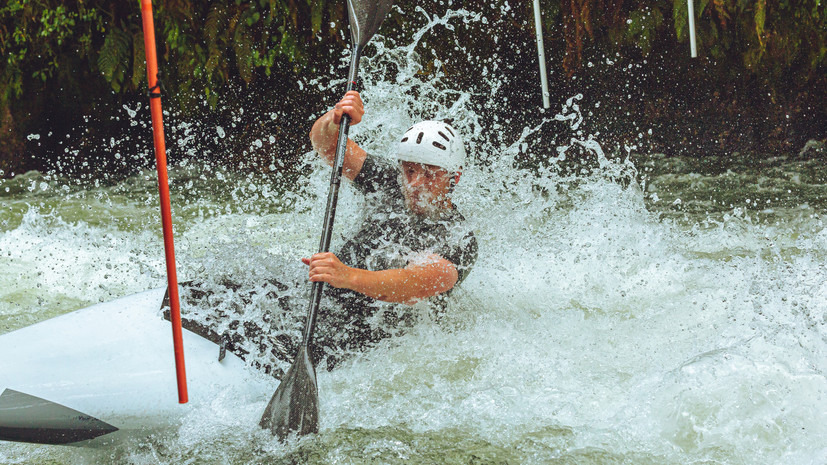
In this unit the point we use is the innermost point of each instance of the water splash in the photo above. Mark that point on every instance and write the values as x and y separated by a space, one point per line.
604 320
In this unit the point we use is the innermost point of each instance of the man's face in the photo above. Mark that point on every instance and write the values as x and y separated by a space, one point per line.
426 187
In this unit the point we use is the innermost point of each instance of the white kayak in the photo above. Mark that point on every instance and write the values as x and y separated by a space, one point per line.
95 375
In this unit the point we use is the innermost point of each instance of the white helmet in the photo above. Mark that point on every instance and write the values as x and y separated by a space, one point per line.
433 143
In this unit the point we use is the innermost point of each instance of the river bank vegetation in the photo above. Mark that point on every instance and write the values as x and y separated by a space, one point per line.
69 69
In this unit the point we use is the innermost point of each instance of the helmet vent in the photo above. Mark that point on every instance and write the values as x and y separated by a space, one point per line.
444 136
449 130
419 137
405 139
439 146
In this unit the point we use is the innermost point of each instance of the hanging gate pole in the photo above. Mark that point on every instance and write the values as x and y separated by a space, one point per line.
693 49
163 187
541 54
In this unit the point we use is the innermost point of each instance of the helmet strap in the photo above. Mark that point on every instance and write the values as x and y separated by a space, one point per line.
452 183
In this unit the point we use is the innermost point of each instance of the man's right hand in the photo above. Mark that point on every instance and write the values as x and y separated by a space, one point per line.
351 104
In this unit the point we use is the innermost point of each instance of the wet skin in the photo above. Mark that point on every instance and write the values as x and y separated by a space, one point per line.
427 191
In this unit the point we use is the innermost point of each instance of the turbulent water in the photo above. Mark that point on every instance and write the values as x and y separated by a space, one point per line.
643 310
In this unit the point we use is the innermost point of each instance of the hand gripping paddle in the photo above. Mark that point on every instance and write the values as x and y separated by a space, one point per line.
294 407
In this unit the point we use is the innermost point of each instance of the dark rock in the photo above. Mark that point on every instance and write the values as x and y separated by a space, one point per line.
813 149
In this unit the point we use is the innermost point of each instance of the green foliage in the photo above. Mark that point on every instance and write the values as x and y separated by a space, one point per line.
642 27
204 44
138 60
115 56
34 35
767 38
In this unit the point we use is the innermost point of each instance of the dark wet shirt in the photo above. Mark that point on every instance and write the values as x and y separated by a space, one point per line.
390 237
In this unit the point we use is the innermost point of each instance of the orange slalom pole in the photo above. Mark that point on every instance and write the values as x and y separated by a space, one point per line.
163 187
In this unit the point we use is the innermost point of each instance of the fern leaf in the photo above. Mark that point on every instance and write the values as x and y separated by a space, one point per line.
234 22
680 14
272 8
138 59
293 12
699 10
212 62
720 8
216 19
316 10
760 18
114 55
179 8
243 48
586 15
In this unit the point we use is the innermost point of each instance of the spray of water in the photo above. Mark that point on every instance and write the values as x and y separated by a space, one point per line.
613 315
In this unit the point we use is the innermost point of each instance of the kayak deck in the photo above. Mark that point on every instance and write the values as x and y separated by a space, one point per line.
108 370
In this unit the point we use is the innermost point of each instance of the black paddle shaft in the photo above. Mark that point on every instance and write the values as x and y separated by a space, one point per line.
332 198
294 406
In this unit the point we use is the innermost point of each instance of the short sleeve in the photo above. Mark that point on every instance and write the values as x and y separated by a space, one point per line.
376 175
462 253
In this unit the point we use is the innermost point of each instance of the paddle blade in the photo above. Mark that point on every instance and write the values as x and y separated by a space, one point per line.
365 18
294 407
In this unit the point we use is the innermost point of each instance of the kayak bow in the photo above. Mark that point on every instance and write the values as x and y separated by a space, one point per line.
94 375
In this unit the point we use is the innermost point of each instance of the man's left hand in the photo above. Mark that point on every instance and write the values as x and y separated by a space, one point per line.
326 267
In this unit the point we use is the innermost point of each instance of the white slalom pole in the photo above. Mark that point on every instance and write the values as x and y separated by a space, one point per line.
692 46
541 54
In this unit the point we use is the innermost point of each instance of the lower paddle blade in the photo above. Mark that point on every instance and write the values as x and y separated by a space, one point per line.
294 407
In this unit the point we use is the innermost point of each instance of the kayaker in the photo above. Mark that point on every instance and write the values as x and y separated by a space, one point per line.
413 243
412 246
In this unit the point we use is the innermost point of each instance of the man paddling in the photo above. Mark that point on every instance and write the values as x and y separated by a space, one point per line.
413 243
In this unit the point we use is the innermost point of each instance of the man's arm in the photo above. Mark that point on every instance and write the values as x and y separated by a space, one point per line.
415 282
325 134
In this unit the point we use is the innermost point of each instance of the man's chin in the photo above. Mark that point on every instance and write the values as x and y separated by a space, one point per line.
422 208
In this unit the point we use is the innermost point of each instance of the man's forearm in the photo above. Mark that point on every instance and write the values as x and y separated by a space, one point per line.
324 135
406 285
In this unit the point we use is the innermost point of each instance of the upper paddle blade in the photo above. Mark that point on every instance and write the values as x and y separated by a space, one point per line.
294 407
365 18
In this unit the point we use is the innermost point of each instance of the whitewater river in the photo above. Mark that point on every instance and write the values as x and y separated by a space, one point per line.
650 309
607 322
